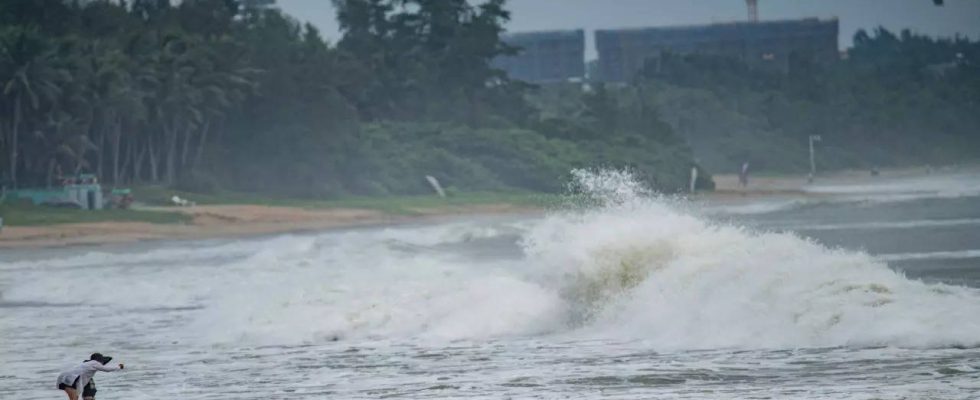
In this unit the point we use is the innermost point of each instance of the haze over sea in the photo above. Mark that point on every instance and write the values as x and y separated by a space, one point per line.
870 292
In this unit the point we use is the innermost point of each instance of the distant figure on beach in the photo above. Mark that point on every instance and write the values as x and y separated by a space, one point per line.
743 175
79 379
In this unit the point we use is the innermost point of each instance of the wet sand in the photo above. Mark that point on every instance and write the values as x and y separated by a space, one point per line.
797 184
727 188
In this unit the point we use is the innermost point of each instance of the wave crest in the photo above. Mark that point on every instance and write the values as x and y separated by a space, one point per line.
637 268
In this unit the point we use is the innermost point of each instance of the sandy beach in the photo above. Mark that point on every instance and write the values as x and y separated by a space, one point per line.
216 221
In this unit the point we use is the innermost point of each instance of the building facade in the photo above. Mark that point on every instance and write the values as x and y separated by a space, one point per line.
767 44
554 56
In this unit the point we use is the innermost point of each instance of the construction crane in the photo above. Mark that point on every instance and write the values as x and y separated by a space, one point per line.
753 10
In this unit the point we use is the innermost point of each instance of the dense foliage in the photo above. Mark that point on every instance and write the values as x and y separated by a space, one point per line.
896 99
202 94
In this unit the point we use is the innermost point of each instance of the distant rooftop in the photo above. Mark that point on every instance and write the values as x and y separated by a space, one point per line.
721 26
543 35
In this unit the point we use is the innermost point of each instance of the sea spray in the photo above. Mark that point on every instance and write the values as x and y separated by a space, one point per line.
636 268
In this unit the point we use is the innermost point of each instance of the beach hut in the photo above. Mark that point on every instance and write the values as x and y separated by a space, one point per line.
86 191
83 191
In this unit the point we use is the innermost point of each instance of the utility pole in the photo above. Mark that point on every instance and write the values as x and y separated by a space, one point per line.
813 161
753 6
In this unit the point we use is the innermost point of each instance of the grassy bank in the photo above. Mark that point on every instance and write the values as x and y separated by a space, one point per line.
26 214
399 205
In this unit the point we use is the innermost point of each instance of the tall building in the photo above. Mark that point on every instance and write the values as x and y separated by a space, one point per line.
553 56
768 44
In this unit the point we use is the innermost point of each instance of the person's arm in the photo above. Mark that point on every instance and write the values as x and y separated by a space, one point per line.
107 368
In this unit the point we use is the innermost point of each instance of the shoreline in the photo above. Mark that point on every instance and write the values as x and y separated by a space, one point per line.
230 221
242 221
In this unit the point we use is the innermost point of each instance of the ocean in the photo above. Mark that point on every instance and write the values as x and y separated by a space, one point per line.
865 291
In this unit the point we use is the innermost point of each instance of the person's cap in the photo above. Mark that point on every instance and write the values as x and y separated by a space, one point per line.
100 358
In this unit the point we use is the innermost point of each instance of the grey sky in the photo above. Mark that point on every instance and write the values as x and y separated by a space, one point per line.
956 17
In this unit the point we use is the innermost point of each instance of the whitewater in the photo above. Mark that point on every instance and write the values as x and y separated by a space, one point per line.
621 293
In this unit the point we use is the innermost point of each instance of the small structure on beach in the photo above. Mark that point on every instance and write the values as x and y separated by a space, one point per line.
85 190
82 191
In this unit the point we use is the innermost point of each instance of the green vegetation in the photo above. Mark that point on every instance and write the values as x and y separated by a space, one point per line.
26 214
215 97
400 204
219 96
901 99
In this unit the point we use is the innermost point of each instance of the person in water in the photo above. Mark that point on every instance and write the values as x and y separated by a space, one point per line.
79 378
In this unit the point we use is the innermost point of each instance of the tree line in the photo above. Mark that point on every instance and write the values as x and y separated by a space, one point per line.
233 94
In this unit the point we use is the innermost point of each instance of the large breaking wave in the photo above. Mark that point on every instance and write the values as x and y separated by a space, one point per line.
628 266
638 268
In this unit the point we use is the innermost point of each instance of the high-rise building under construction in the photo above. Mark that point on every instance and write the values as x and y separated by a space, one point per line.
553 56
768 44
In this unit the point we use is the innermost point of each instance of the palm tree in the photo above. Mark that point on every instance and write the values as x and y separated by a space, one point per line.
109 89
64 138
29 77
178 108
224 85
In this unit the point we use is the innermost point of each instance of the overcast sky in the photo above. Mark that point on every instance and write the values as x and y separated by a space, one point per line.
955 17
